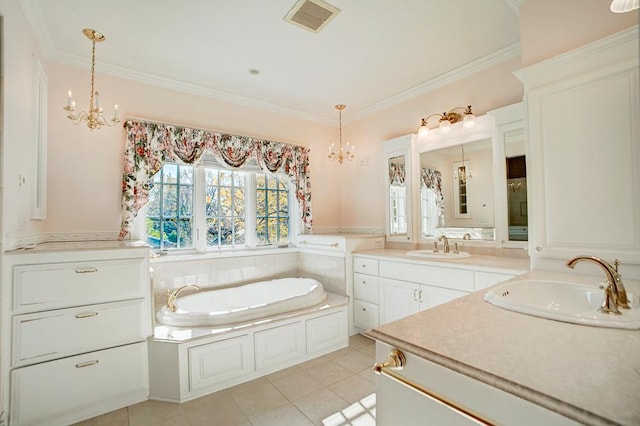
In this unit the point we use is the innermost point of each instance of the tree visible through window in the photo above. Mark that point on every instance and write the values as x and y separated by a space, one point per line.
209 208
170 208
272 210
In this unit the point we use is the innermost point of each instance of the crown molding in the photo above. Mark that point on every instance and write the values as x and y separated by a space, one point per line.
440 81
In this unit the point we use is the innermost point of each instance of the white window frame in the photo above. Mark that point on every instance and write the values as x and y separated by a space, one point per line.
139 230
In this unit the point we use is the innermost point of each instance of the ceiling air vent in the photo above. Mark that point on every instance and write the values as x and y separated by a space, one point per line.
312 15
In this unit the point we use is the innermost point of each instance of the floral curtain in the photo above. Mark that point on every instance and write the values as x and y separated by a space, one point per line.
397 174
149 145
432 179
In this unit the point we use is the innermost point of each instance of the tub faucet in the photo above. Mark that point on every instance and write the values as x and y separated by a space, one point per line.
615 293
446 242
172 295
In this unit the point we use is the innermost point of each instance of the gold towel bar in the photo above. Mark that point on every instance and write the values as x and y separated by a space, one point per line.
397 361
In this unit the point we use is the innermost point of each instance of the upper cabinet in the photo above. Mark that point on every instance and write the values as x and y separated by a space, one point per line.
584 151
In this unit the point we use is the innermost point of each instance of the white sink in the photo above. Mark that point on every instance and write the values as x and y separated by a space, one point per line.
560 301
430 254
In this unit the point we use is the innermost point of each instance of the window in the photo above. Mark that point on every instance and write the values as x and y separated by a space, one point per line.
222 205
429 211
398 209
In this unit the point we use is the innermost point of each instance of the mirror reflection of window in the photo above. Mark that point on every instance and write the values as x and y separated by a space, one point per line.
398 209
429 209
517 198
461 178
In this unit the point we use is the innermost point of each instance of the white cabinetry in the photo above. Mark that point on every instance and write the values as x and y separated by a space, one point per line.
583 112
397 404
388 288
78 322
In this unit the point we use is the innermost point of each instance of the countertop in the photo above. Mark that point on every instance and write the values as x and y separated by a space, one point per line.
55 246
589 374
476 261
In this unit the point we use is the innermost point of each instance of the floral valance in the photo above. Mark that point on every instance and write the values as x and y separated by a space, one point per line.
397 174
150 144
432 179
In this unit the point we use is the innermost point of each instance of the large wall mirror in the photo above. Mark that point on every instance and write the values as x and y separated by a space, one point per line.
456 183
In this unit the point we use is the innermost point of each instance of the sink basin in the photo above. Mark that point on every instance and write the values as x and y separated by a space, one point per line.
560 301
429 254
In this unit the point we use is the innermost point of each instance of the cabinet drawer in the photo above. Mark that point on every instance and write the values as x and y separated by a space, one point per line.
326 333
219 362
365 287
60 285
487 279
365 266
53 334
365 315
456 279
75 388
279 346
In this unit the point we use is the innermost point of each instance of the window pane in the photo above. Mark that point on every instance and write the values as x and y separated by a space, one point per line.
186 175
186 201
283 202
170 200
212 232
226 231
211 177
211 202
261 230
238 201
153 232
238 179
261 203
261 181
153 206
226 177
240 233
185 233
170 173
225 202
169 233
272 183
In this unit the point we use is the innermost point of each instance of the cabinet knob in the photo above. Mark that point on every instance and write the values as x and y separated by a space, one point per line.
538 248
364 282
364 309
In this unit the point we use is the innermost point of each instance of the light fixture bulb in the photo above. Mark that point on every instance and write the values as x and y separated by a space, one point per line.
423 130
445 126
622 6
469 121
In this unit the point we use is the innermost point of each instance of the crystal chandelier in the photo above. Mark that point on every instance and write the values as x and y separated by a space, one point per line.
343 152
94 117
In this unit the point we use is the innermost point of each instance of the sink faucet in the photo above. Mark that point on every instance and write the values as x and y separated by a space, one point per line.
446 242
466 236
615 293
172 295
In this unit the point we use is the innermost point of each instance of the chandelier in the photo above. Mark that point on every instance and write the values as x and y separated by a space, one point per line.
343 152
447 119
94 117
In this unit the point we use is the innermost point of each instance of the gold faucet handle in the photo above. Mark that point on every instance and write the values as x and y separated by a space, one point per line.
610 302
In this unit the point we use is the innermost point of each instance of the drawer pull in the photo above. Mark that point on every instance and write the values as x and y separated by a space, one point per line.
86 314
85 270
420 296
415 295
397 360
87 364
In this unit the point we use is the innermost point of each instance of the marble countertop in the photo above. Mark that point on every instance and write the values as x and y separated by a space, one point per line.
475 261
589 374
53 246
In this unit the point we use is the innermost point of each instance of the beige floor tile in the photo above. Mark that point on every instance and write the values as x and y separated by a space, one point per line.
258 399
298 384
358 341
329 372
315 361
340 352
115 418
354 388
355 361
156 413
216 409
368 374
282 373
320 405
368 350
287 415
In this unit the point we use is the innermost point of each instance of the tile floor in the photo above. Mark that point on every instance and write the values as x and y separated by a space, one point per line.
333 390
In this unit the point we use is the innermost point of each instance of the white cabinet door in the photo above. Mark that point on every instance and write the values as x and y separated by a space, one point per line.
365 315
398 299
434 296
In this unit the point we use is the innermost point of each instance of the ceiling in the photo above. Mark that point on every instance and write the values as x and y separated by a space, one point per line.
373 54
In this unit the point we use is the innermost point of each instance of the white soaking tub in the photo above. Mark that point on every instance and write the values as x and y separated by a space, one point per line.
244 303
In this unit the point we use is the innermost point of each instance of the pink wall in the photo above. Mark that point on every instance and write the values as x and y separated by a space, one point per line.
85 168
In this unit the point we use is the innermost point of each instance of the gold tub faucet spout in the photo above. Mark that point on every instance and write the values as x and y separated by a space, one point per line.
172 295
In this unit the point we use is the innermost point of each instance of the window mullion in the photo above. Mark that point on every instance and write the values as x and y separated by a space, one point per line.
250 210
199 221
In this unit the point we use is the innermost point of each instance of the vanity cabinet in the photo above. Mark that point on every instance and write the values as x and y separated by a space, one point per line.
79 316
583 138
388 288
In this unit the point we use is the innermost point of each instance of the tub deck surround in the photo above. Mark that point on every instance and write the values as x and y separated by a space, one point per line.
186 363
168 333
588 374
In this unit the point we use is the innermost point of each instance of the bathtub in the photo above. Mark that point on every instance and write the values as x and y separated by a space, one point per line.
243 303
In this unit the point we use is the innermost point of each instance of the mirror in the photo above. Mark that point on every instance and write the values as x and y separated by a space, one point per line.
516 186
457 191
397 195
